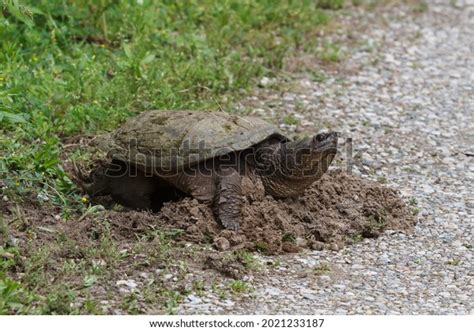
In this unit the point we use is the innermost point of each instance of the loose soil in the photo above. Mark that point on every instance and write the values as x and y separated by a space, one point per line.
337 210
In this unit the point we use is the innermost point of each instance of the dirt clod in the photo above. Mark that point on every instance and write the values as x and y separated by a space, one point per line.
226 264
221 244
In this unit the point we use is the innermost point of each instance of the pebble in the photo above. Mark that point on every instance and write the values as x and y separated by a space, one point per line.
127 285
265 81
193 299
271 291
325 278
221 244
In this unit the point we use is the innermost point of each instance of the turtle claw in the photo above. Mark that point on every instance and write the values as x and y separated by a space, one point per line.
230 224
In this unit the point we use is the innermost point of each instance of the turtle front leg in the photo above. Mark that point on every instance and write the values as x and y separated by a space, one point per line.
228 198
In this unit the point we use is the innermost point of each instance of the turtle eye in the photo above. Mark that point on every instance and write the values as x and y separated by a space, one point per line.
320 137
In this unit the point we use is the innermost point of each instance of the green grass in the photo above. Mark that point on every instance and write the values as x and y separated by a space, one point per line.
420 7
291 120
78 68
330 52
238 286
330 4
322 269
318 77
11 296
248 260
382 179
454 262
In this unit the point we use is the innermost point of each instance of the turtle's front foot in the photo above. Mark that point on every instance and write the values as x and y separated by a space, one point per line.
231 222
228 199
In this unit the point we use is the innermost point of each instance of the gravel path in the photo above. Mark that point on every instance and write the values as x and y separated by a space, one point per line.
406 97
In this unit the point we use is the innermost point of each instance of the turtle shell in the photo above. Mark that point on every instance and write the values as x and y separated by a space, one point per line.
169 138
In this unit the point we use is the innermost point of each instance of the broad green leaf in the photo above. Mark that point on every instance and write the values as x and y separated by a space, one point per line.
16 10
147 59
89 280
128 50
12 118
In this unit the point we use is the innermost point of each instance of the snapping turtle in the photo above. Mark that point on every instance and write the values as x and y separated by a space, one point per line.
161 154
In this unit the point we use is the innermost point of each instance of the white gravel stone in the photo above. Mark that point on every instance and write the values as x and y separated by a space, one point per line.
127 285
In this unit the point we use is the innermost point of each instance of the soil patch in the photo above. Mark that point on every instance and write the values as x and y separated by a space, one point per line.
337 210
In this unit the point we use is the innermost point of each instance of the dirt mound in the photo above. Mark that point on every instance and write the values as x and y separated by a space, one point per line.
337 210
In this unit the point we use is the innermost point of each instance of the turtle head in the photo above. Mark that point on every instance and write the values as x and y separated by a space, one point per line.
308 159
325 143
292 166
